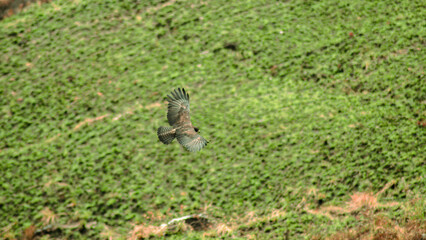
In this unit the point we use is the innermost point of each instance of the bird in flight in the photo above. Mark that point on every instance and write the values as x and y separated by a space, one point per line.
181 127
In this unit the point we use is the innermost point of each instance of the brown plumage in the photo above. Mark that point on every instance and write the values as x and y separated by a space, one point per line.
181 127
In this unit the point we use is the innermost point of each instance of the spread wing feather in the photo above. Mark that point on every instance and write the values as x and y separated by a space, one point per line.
192 141
178 106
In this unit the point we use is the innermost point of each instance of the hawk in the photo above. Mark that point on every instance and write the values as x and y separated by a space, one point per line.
180 123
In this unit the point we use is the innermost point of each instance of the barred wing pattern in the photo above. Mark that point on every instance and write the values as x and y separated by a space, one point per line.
180 122
192 141
178 105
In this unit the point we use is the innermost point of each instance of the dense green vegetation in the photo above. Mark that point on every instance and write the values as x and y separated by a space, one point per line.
303 103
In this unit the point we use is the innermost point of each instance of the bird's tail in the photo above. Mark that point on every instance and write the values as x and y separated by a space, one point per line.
166 134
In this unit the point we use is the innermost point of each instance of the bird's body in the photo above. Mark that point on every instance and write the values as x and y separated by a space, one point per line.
179 120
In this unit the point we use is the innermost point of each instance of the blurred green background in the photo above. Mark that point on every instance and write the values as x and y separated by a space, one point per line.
303 103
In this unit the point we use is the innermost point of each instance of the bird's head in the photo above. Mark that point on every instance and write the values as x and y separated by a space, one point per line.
196 129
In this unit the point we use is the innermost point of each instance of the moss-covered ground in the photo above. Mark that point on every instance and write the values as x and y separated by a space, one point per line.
306 105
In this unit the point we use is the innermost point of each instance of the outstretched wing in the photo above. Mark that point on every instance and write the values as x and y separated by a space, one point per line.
178 108
191 140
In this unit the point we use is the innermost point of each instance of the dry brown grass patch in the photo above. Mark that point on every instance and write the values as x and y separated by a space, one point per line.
383 228
145 231
89 121
359 202
48 216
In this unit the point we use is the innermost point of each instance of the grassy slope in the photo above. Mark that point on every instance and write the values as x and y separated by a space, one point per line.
289 101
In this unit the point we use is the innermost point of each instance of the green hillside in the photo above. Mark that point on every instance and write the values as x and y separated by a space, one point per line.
305 105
